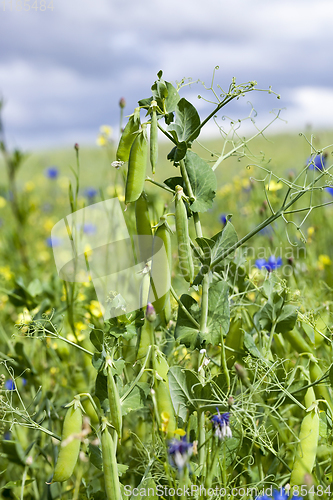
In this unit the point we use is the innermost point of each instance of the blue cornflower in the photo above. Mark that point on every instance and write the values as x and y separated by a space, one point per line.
260 263
180 452
279 495
52 172
223 219
90 193
89 228
273 263
330 190
7 436
221 425
10 385
24 382
316 161
270 264
53 241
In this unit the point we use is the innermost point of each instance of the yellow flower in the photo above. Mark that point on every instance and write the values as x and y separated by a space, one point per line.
104 136
3 202
6 273
274 186
95 309
180 432
48 224
311 231
165 421
323 260
29 186
101 140
106 130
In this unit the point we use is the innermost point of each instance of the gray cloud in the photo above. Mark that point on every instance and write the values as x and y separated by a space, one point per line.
62 72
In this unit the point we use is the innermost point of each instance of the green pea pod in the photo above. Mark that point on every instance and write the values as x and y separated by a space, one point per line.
153 137
184 247
308 442
297 341
70 443
164 232
110 469
143 226
128 136
146 339
161 365
137 161
321 390
114 399
164 405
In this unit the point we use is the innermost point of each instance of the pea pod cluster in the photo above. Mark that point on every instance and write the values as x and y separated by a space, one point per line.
70 443
183 238
128 136
137 162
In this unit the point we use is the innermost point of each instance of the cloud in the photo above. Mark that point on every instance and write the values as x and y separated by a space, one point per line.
63 72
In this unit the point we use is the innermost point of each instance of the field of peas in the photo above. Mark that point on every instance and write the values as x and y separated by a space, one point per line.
218 383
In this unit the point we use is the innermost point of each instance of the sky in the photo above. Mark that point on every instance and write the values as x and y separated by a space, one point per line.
63 71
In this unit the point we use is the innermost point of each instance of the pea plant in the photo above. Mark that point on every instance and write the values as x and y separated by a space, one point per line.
221 386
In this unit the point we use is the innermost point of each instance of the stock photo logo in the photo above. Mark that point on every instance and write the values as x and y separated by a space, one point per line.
119 264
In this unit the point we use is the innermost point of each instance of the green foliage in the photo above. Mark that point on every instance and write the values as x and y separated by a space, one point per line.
248 337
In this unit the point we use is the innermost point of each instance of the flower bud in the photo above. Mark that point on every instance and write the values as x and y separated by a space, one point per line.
150 313
241 371
122 103
231 401
76 146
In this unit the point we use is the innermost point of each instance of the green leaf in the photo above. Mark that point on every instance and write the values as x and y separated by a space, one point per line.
202 180
224 240
172 182
275 311
95 456
147 485
218 312
187 122
185 388
97 339
250 346
101 387
134 400
186 332
35 288
14 451
206 246
287 319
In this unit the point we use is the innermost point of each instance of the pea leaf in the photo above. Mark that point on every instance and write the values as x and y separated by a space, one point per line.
224 240
97 339
250 346
218 312
133 401
202 180
187 122
186 332
185 388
